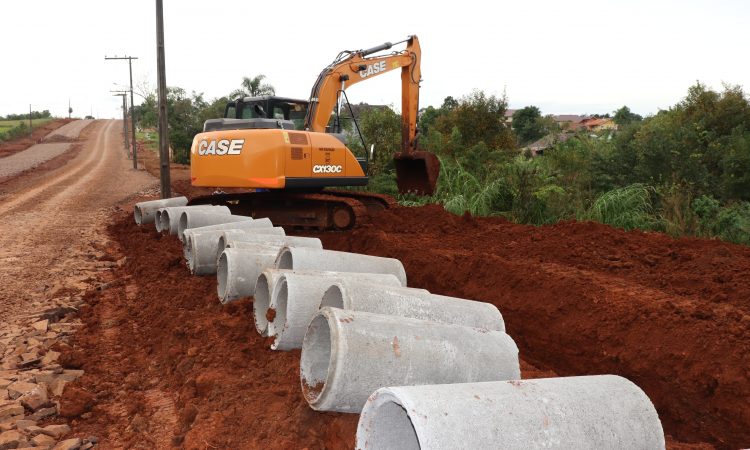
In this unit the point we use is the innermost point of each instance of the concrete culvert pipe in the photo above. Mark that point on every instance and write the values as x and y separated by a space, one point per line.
347 355
311 259
145 212
591 412
264 222
414 303
196 219
238 270
296 300
200 248
264 291
170 217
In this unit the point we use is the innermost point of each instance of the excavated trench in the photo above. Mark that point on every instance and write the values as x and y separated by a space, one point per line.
578 298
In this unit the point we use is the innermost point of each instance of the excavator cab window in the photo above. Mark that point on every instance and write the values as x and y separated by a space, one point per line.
231 111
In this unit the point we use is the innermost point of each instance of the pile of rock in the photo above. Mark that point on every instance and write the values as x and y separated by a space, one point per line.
32 381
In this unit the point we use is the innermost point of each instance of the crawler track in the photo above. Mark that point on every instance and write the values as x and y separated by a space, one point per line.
325 210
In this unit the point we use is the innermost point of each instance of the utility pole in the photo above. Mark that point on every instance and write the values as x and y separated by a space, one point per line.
132 105
30 128
124 96
162 84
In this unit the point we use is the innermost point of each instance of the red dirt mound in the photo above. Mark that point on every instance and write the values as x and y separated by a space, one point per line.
169 366
672 315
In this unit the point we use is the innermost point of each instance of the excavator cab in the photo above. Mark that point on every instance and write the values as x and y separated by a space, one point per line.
268 107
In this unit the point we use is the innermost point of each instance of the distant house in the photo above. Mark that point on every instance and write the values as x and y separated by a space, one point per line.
538 147
569 121
594 124
509 117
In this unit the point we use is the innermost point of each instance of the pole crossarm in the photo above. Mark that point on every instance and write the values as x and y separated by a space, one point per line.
132 103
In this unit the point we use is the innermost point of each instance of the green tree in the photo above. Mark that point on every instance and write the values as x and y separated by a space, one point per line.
527 124
253 87
478 118
624 116
382 127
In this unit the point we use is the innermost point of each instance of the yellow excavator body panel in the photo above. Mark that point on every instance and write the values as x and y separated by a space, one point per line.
272 159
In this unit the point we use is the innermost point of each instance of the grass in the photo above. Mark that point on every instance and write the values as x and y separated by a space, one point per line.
149 138
8 124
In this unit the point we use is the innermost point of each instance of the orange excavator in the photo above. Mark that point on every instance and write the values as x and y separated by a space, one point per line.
288 153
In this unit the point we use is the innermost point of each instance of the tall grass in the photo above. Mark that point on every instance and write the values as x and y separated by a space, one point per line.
628 207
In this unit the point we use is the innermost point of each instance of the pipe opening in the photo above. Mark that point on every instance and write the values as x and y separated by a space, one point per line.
316 358
222 274
261 303
138 215
286 261
182 225
221 246
391 427
280 296
164 221
333 297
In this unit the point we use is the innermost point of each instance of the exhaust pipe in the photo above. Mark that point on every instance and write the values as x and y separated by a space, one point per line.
347 355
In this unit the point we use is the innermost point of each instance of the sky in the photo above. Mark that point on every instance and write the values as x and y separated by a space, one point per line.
564 57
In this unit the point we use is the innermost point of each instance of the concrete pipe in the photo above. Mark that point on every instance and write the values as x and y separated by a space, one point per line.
414 303
195 219
145 212
347 355
296 300
311 259
591 412
264 222
238 270
200 251
169 218
264 292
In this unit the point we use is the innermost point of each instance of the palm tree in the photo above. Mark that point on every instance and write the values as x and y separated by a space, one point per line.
253 87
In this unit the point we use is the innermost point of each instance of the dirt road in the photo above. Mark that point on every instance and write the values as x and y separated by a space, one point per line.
53 224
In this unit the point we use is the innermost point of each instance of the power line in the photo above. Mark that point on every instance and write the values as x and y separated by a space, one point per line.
132 104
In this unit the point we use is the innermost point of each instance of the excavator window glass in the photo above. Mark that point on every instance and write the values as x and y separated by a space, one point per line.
230 112
248 112
290 111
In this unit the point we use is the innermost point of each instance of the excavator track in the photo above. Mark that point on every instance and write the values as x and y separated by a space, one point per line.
325 210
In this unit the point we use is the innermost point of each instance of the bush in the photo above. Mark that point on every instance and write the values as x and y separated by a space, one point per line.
628 208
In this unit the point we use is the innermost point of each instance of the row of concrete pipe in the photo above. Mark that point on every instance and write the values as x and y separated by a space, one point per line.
424 371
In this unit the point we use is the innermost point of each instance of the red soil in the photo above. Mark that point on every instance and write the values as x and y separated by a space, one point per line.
167 364
671 315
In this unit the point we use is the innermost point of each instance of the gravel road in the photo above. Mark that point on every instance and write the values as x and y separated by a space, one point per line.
53 222
30 158
70 131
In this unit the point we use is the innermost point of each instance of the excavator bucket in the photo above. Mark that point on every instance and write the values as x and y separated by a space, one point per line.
417 172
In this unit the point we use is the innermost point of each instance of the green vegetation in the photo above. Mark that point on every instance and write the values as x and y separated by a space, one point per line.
16 125
684 171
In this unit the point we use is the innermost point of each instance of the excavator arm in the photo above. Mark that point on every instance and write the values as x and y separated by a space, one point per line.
416 170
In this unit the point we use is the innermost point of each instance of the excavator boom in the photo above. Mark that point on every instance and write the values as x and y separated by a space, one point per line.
416 170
